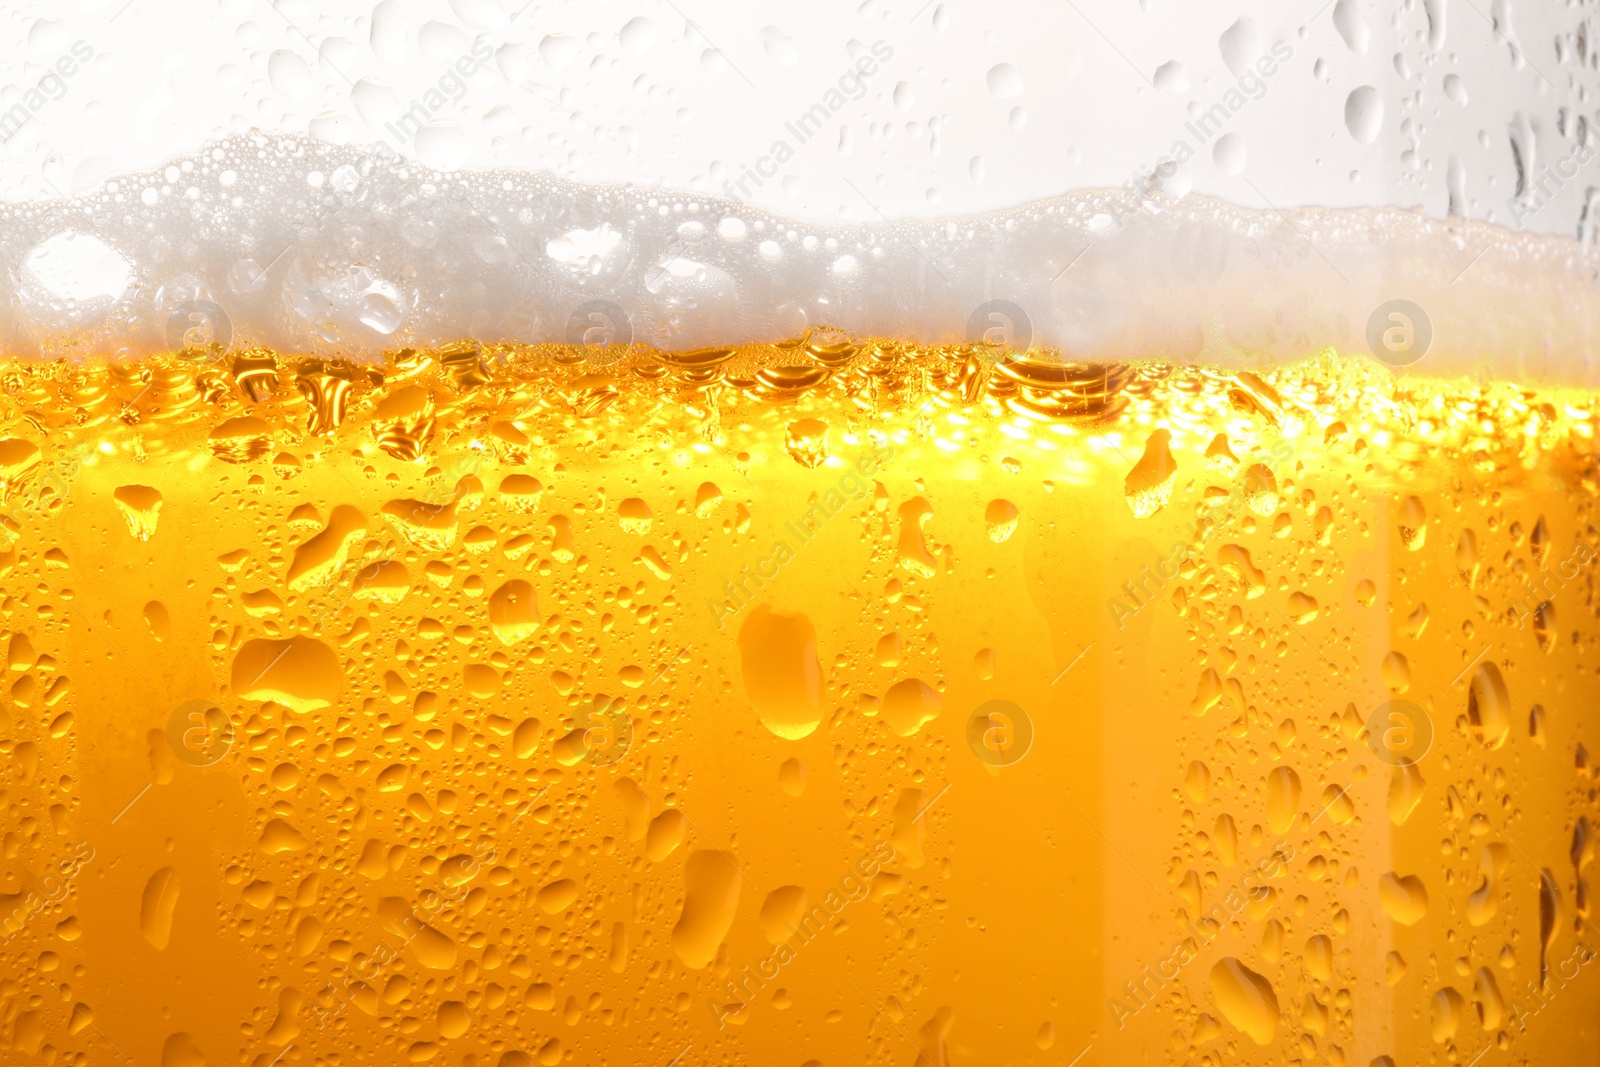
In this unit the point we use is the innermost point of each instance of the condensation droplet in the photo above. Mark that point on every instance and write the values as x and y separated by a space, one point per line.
1363 113
1004 81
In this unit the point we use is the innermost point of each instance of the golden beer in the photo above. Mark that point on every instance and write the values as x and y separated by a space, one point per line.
834 701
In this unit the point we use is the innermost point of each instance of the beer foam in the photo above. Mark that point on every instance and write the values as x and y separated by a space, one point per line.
337 251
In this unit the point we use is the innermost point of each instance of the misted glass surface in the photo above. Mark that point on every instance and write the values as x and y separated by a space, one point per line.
536 535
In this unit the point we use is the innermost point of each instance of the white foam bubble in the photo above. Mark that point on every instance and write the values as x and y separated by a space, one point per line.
309 247
71 280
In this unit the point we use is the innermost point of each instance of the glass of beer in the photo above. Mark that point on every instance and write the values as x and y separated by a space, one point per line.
461 609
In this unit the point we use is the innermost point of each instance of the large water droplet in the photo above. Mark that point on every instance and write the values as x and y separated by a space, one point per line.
782 674
1351 26
72 279
1005 81
1363 113
290 75
1247 999
141 506
301 672
1172 78
1241 45
710 898
1228 153
909 704
1148 485
156 906
780 48
1404 898
637 36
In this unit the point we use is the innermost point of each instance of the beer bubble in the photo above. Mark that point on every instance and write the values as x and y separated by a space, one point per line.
343 302
367 251
246 276
1000 733
72 280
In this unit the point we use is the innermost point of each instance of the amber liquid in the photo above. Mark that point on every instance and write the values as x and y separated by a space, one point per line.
834 702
